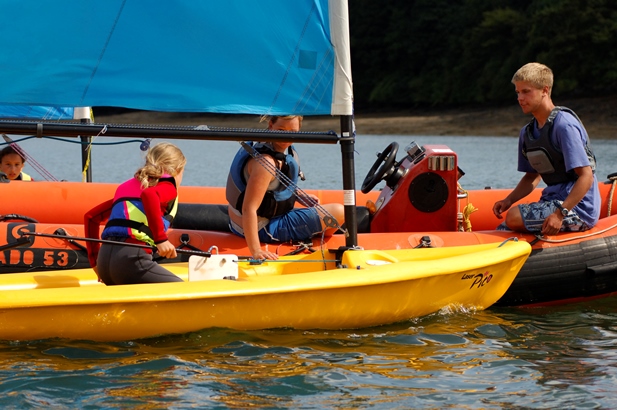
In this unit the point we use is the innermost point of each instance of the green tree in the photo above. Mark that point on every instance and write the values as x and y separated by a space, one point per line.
408 53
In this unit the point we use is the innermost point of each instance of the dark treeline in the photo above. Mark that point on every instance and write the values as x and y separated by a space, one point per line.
437 53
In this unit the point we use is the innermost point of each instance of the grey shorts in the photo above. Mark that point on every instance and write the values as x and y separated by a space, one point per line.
535 213
125 265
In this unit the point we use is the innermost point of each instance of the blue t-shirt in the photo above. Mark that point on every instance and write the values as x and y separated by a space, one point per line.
568 136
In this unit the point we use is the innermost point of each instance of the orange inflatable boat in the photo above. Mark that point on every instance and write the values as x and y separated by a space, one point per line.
421 205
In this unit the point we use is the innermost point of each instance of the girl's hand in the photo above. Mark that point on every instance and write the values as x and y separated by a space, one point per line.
166 250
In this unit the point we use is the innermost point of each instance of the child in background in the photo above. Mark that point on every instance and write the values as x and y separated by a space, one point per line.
12 163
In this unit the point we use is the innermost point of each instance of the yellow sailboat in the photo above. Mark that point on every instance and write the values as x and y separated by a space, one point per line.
326 290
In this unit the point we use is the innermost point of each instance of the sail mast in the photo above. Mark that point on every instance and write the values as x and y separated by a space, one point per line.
342 104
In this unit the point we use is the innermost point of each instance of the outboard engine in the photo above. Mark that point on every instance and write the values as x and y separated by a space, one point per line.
421 192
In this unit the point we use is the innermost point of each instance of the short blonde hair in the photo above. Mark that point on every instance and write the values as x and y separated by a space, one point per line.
535 73
163 158
275 118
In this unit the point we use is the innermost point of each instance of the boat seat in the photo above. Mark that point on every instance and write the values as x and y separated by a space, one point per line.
363 218
214 217
362 260
202 217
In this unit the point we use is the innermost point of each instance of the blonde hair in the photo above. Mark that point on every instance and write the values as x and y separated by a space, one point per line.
275 118
535 73
163 158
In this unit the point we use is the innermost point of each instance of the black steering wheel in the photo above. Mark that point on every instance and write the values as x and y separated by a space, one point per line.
374 176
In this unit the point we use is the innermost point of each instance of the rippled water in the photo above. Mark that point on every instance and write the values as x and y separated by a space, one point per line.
501 358
560 357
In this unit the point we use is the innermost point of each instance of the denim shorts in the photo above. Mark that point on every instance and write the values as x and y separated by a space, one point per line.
296 225
535 213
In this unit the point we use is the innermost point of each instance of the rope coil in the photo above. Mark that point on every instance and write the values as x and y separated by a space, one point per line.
610 195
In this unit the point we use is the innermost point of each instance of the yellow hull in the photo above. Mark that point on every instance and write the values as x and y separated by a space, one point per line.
303 292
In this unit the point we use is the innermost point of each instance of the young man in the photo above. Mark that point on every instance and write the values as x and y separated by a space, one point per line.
553 147
261 208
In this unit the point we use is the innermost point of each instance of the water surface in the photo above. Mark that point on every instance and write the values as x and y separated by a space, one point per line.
501 358
487 161
561 357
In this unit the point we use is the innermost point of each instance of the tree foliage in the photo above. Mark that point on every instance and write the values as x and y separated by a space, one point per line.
410 53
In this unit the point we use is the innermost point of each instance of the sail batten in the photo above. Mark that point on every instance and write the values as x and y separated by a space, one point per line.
233 56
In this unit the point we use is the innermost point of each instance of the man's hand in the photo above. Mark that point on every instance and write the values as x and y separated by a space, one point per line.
501 207
552 224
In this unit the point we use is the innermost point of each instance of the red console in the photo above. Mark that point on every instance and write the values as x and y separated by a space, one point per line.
422 194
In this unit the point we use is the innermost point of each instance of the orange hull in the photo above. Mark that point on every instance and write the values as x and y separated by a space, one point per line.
421 208
67 202
567 267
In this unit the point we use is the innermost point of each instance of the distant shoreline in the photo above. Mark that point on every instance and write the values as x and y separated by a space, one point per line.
599 116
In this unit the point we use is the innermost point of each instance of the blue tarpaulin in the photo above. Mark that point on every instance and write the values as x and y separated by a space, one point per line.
38 112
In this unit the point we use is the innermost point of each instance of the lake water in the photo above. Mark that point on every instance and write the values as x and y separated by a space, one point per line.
487 161
560 357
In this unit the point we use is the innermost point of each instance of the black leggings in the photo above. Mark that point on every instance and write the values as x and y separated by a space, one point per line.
127 265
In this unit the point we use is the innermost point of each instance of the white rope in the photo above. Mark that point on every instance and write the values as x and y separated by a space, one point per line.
541 238
610 196
610 206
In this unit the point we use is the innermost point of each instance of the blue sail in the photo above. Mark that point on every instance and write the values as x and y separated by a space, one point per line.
36 112
232 56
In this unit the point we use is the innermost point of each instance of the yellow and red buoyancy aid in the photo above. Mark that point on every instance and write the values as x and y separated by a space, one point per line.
128 217
24 177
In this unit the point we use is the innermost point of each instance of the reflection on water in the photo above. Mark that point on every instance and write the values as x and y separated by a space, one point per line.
537 358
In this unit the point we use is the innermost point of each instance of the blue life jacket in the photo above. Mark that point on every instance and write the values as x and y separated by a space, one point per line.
276 202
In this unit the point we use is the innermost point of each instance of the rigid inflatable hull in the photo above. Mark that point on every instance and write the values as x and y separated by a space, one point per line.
564 268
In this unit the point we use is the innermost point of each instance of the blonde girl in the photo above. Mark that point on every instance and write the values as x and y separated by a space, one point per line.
140 213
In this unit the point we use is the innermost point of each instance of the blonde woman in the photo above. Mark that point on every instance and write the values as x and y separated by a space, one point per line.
261 208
